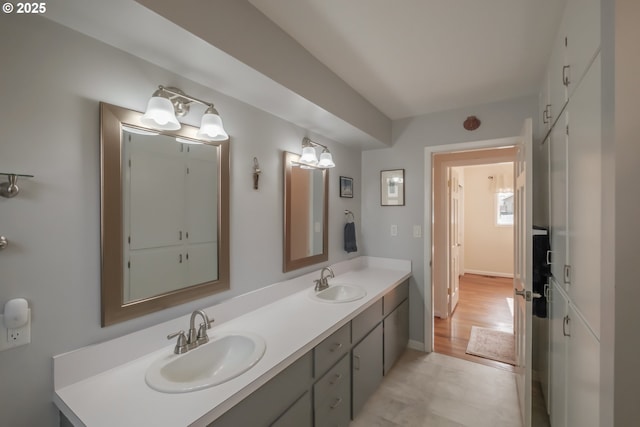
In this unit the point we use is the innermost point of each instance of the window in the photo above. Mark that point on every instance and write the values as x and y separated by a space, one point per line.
504 209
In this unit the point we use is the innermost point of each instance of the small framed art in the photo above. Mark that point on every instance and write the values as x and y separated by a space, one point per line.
346 187
392 187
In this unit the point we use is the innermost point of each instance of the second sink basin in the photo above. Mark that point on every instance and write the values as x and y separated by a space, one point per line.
221 359
339 293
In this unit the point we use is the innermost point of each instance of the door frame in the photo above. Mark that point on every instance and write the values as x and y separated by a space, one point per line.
429 216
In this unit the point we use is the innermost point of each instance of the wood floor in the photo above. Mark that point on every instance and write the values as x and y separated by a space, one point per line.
483 302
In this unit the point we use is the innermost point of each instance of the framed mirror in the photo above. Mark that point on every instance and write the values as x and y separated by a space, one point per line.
306 207
164 216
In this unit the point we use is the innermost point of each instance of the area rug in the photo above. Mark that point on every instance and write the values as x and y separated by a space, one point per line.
492 344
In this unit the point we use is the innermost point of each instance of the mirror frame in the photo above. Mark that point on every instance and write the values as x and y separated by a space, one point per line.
294 264
114 309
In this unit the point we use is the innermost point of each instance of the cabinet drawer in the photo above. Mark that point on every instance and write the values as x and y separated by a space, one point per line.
329 351
366 321
332 396
395 297
331 384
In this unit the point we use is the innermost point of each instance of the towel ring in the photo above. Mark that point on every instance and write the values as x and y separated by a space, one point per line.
347 213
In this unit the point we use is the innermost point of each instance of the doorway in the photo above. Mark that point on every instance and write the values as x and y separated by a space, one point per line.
477 296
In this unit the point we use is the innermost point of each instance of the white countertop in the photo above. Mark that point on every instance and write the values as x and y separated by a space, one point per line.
291 326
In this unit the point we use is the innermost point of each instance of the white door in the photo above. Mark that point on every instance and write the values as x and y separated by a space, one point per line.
522 285
454 239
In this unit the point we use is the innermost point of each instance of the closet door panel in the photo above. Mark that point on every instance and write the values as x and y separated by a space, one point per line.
558 200
583 369
585 196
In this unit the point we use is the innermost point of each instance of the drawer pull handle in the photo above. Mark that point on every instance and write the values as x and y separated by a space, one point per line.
336 346
356 362
337 403
336 379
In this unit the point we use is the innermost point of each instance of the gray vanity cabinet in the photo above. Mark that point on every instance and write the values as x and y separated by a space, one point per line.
329 385
271 403
367 368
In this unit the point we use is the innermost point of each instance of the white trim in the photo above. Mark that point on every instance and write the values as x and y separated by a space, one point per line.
428 216
488 273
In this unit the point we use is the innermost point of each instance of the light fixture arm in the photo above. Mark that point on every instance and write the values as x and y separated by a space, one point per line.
181 94
306 142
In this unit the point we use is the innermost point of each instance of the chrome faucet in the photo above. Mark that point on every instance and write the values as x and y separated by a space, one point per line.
193 338
322 283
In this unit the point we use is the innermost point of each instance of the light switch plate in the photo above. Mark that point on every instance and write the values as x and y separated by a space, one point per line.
11 338
394 230
417 231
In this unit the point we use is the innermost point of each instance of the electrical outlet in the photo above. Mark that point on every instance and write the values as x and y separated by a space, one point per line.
15 337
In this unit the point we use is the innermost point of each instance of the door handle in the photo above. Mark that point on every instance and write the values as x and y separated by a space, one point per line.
527 295
565 323
565 76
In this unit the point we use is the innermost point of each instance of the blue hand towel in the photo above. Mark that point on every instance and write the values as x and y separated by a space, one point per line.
350 237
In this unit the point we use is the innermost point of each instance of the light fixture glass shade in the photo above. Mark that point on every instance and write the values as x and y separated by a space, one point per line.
309 156
326 160
211 128
160 114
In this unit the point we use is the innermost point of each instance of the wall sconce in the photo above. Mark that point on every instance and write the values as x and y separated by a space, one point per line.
168 103
308 159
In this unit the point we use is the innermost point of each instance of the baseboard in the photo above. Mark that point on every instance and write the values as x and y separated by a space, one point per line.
416 345
489 273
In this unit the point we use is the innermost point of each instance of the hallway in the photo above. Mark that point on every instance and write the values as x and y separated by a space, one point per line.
483 302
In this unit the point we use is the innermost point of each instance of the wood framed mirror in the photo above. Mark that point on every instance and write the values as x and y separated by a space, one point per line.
306 208
164 216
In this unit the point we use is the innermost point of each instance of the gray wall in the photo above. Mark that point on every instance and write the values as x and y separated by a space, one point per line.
411 136
52 81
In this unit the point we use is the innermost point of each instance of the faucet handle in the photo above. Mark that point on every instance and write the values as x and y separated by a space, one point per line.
181 344
202 331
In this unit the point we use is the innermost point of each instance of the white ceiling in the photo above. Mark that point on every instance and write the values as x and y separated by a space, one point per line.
413 57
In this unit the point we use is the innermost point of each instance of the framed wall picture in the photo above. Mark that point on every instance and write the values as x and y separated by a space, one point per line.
346 187
392 187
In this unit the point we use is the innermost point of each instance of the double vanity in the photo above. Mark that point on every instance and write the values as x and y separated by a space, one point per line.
288 354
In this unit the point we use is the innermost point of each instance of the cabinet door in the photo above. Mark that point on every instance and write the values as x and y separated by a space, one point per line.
557 90
558 199
396 335
558 307
299 415
366 368
269 402
583 368
582 29
585 196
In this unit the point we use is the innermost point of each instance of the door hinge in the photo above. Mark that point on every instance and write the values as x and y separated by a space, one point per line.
129 264
567 130
129 239
129 163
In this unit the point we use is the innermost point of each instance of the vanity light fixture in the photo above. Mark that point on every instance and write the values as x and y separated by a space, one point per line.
309 159
168 103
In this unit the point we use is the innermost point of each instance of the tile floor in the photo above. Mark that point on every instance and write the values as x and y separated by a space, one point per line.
436 390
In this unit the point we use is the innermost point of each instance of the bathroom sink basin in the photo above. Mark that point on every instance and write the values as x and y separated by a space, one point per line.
339 293
221 359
